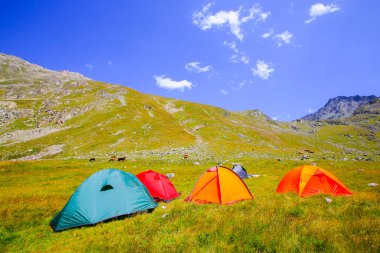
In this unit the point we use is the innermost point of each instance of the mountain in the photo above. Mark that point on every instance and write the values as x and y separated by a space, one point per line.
65 115
341 107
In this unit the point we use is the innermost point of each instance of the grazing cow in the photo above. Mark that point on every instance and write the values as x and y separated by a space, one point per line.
121 159
113 159
92 159
185 156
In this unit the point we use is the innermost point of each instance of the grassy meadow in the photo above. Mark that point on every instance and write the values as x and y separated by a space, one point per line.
31 193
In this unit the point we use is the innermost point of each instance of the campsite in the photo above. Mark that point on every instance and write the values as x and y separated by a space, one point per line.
190 126
38 190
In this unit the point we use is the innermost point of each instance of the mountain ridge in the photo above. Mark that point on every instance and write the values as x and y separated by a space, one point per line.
340 107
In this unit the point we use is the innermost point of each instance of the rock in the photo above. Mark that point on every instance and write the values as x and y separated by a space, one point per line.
373 184
8 105
163 207
295 128
196 163
196 128
279 159
328 200
170 108
170 175
165 215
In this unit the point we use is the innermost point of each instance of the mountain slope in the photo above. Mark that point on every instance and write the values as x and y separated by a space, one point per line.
46 114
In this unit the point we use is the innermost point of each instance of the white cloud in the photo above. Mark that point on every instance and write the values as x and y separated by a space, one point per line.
206 20
244 59
231 45
244 83
267 34
237 57
223 92
167 83
109 63
276 117
310 110
89 66
320 9
283 38
256 13
262 70
195 67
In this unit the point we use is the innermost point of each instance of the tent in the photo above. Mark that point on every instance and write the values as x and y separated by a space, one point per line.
104 195
240 171
158 185
310 180
219 185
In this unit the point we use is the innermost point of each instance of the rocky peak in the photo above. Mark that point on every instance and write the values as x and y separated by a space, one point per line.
340 107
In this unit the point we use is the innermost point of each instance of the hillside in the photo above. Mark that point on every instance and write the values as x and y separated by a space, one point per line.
60 114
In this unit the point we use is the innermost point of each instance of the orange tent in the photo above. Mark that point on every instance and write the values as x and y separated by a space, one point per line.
310 180
219 185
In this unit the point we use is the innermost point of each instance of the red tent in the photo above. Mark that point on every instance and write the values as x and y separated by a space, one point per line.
158 185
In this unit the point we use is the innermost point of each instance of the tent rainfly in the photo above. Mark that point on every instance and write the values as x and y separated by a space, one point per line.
219 185
158 185
240 171
107 194
309 180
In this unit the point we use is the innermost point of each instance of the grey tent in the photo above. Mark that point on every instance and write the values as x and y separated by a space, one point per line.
238 169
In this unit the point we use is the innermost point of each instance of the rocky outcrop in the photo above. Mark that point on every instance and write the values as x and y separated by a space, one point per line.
26 135
119 95
47 116
49 151
10 112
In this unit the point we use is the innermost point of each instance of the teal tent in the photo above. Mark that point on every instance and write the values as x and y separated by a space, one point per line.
104 195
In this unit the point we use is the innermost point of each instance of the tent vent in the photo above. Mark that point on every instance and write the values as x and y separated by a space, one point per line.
106 188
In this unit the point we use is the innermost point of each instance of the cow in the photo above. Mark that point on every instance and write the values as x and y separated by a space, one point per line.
121 159
92 159
113 159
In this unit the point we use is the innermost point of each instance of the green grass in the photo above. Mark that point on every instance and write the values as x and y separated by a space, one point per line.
31 193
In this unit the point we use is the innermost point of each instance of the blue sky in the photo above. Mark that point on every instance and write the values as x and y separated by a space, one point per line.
286 58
